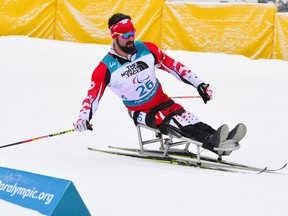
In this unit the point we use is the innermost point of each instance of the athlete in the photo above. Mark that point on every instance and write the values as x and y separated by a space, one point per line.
129 71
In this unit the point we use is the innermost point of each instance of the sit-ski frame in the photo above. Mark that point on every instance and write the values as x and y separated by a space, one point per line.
167 143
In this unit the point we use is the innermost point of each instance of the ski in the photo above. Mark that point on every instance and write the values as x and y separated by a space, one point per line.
183 162
191 155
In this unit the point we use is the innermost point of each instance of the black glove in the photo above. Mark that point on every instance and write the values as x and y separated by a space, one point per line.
205 92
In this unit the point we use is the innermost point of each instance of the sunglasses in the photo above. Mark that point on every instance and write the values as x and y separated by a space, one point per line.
127 34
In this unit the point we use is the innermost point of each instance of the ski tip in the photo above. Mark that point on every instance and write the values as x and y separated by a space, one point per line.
284 166
281 168
275 170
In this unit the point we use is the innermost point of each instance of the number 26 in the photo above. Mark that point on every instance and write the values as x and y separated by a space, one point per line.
143 88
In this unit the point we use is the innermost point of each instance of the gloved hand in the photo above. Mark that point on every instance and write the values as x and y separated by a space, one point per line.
82 125
205 92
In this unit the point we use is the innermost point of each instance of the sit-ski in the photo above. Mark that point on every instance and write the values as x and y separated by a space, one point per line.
167 144
168 153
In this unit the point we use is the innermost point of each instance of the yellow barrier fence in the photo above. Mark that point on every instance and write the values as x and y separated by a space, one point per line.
280 50
86 21
245 29
252 30
34 18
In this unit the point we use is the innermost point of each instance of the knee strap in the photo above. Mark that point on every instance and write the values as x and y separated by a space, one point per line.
165 124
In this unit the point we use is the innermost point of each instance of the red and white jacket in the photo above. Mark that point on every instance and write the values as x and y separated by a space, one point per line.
134 80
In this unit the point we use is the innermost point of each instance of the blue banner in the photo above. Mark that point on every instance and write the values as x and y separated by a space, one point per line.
48 195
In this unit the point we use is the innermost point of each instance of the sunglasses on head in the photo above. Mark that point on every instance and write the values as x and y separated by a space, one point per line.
126 35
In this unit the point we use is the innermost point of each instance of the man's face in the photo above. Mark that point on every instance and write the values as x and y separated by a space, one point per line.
126 45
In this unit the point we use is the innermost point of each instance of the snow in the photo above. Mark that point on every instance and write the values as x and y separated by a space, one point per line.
43 83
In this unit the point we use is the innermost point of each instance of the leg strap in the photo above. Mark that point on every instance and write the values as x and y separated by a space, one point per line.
167 109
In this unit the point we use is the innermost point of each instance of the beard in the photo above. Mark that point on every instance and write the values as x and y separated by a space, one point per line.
129 47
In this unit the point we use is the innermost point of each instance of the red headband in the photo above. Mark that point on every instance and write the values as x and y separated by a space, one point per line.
122 26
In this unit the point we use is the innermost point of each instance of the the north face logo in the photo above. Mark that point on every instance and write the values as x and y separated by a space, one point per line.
134 69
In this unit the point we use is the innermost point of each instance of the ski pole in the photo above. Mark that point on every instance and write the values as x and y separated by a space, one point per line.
184 97
37 138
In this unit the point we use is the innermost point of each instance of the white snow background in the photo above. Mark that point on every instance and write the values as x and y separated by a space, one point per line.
43 83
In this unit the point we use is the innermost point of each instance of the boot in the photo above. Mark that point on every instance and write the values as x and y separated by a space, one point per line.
215 139
237 134
219 136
